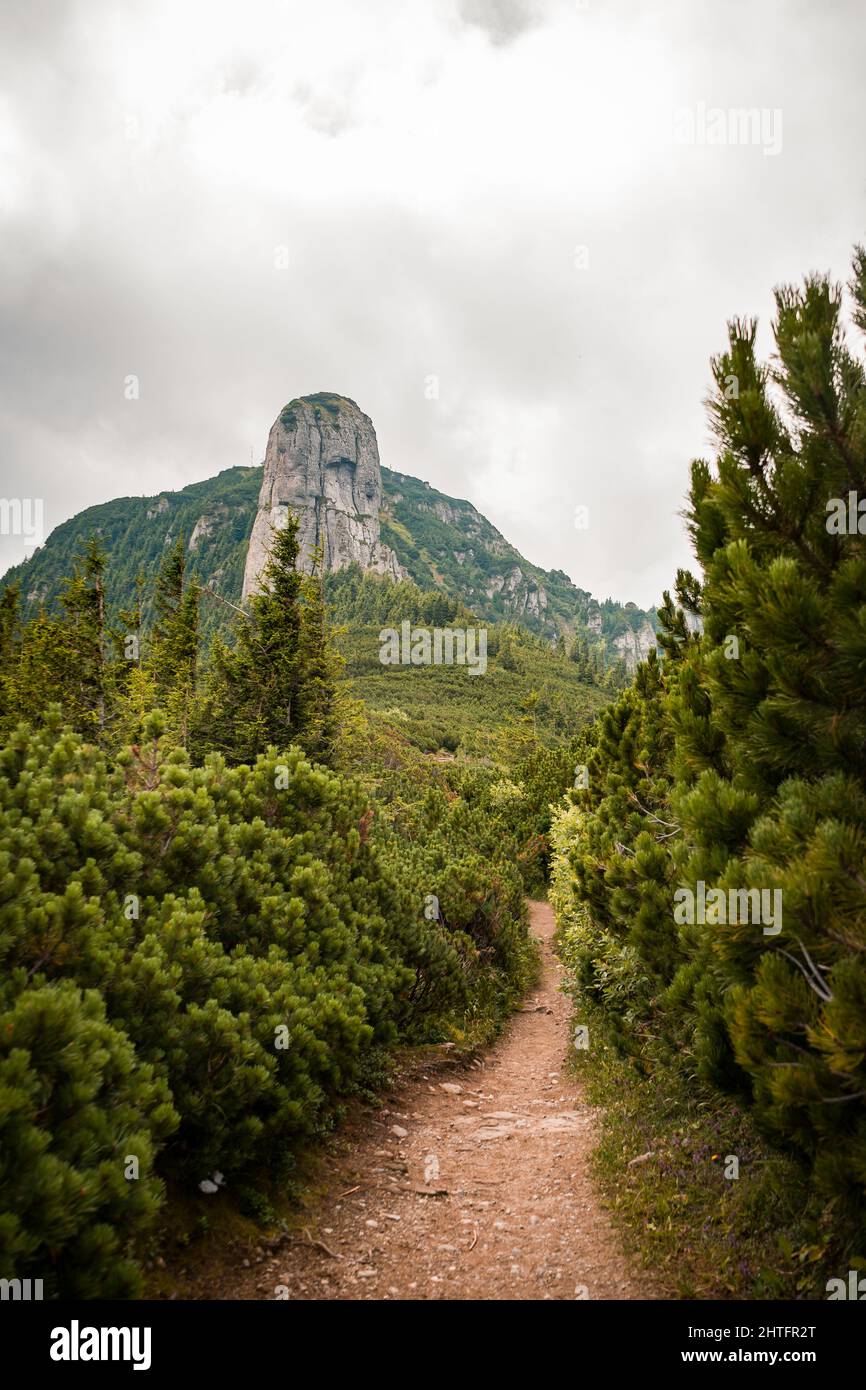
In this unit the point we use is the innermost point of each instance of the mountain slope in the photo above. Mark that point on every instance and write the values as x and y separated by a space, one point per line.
442 542
216 515
445 542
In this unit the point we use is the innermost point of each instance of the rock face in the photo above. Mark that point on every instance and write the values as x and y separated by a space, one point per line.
322 463
204 527
593 619
635 647
522 594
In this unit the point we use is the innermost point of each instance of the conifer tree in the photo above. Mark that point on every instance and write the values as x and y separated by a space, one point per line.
85 642
174 642
736 766
777 801
319 666
64 659
135 692
254 693
10 638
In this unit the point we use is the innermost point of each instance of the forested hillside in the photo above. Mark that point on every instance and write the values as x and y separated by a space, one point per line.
444 545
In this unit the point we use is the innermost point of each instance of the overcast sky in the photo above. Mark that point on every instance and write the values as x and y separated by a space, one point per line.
238 203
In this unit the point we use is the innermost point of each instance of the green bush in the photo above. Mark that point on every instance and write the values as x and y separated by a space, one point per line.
219 912
76 1106
738 763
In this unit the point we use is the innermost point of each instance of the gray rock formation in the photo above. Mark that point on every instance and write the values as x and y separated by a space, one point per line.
322 463
204 527
635 647
521 595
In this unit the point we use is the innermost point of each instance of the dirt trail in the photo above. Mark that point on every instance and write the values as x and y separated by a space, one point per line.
474 1185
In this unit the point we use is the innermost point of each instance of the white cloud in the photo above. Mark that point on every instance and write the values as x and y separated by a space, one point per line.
431 168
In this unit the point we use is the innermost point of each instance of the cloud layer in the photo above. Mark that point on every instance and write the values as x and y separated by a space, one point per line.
472 217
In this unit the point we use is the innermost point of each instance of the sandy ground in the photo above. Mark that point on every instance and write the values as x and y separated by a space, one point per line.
472 1184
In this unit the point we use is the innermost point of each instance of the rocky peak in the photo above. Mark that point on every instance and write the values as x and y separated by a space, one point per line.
322 463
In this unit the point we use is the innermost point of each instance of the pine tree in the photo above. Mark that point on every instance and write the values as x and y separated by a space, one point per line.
320 665
508 657
10 640
737 764
78 1106
134 685
84 650
64 660
774 800
174 642
616 677
254 692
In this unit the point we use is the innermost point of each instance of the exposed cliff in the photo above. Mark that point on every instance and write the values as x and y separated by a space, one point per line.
634 646
322 463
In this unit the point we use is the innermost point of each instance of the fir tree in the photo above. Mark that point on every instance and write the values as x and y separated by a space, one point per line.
64 660
84 649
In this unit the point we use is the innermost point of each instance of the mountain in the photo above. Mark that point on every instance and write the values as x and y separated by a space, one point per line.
322 461
446 543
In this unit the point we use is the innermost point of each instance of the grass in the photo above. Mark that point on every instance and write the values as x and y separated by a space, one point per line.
450 707
660 1166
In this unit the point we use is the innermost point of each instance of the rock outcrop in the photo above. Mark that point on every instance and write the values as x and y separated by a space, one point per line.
521 595
322 463
204 527
635 646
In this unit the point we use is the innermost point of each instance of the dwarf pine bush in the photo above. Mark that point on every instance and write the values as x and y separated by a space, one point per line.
737 763
197 961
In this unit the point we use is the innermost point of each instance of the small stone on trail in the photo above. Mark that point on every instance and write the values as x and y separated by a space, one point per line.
400 1132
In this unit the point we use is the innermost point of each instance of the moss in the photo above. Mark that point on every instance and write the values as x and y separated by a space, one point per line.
329 401
320 401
